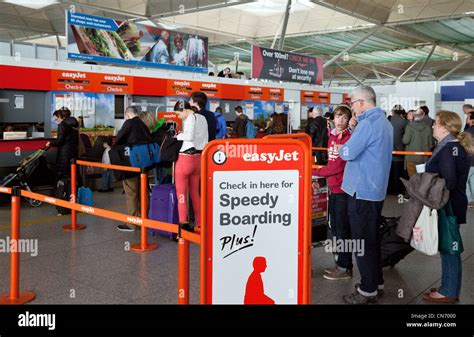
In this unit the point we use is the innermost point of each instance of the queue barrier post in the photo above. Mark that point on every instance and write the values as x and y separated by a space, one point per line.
16 296
74 226
183 268
143 246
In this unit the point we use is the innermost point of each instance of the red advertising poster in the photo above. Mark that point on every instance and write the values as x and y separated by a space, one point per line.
319 200
283 66
255 221
172 119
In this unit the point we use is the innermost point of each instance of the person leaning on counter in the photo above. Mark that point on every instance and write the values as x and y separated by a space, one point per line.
67 141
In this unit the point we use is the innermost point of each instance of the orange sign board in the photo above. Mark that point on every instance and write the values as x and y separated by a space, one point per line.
172 119
114 84
247 208
66 80
315 97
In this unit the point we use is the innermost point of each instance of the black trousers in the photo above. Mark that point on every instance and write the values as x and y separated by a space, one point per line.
340 226
397 171
365 218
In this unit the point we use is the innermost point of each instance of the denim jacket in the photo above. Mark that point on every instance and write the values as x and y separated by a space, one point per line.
369 156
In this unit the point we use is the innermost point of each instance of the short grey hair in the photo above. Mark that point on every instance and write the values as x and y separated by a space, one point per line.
132 111
318 111
418 114
365 92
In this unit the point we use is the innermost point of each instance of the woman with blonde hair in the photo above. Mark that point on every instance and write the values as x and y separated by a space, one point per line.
148 119
451 161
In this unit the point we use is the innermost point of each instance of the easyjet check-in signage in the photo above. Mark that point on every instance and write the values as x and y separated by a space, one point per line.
183 88
315 97
254 235
256 93
65 80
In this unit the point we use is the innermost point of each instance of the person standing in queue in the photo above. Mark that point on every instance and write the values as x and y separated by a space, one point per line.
188 165
221 131
240 122
450 159
67 141
133 131
368 154
334 171
198 100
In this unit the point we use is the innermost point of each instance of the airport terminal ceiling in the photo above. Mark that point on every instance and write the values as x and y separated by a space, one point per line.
378 42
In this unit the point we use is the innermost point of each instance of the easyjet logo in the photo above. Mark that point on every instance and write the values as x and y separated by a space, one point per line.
50 200
255 89
182 83
76 75
87 209
115 78
136 221
209 85
275 90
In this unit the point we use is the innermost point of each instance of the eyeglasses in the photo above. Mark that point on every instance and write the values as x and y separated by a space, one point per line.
351 103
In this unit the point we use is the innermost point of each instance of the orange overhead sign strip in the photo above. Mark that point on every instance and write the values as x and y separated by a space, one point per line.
315 97
66 80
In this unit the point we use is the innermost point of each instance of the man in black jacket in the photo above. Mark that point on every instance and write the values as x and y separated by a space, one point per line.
317 129
133 131
199 100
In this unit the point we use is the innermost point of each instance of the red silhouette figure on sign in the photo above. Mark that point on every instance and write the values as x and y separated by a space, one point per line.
254 292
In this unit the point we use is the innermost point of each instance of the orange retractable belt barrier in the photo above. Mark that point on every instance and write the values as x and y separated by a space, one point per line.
414 153
15 296
143 246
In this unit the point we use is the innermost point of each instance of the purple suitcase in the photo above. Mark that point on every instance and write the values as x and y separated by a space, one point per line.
164 207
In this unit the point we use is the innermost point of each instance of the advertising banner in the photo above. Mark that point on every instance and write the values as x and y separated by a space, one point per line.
94 38
255 222
283 66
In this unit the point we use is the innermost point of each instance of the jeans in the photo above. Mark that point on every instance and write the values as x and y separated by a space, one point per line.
451 269
187 175
107 179
340 226
470 185
365 218
159 175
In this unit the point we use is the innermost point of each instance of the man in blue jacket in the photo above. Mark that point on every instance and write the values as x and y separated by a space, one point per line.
368 154
221 127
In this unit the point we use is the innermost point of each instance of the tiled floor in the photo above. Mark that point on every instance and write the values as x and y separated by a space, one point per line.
93 266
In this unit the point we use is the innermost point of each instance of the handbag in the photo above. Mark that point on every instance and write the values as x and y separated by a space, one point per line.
169 150
450 241
144 155
425 232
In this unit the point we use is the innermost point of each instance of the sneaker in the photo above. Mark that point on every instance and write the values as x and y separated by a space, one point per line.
125 228
358 298
339 275
380 291
330 270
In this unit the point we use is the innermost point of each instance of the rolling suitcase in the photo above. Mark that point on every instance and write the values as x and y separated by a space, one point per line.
164 207
62 191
